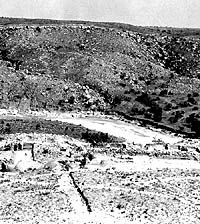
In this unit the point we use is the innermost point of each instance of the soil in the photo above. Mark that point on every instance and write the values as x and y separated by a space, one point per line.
114 187
112 111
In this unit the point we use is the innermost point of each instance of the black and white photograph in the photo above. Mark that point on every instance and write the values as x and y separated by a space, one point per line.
99 111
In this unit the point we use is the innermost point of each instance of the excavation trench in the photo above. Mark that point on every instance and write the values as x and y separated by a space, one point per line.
84 198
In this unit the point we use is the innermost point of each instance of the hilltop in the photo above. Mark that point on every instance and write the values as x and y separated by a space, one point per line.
150 74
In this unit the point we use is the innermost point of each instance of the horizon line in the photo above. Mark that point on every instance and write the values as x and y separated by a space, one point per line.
117 22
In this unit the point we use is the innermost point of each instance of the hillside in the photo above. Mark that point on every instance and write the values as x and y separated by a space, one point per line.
69 150
147 73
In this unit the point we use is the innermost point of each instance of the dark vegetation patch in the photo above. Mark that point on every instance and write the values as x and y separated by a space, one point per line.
145 73
12 126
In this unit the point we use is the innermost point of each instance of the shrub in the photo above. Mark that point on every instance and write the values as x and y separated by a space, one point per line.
195 94
148 114
117 100
195 126
144 98
168 107
163 92
96 137
195 108
157 112
71 100
192 100
38 127
137 109
194 121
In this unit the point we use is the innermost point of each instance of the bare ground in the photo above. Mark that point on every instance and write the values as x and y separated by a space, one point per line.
114 187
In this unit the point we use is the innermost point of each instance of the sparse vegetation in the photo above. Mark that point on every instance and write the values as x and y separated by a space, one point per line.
142 72
150 74
54 127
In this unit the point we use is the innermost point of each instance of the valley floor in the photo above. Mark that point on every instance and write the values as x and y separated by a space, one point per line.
129 183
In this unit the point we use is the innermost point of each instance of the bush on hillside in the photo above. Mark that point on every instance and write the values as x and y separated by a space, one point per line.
157 112
95 138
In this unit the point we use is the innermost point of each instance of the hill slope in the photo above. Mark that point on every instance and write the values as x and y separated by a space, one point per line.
146 73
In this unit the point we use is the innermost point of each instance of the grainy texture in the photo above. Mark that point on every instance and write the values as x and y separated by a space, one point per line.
101 170
151 74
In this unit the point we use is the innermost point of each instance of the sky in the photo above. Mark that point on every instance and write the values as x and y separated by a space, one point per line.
173 13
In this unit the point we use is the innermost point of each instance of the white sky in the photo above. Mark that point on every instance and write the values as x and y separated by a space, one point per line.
178 13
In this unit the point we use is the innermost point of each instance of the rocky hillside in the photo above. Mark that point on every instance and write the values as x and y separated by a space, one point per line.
147 73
